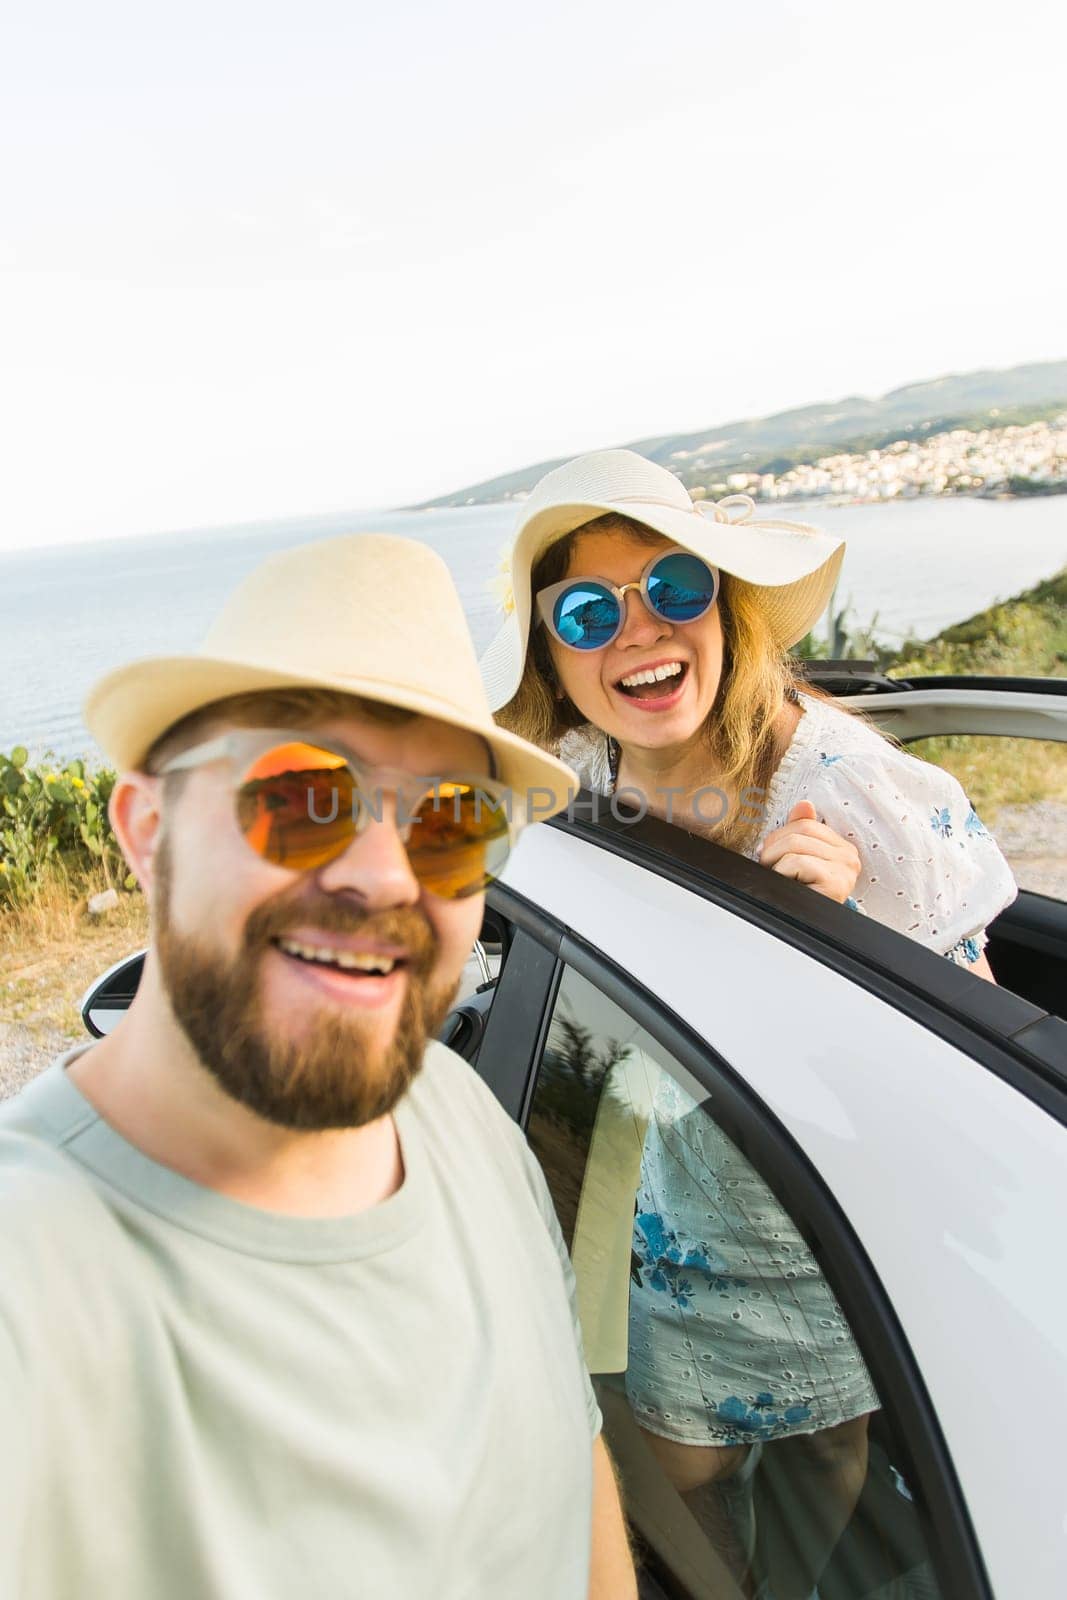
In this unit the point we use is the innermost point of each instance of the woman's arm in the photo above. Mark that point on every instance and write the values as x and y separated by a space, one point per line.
814 854
928 867
982 969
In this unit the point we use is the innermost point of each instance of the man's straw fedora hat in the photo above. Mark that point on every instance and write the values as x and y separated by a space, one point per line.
366 614
790 567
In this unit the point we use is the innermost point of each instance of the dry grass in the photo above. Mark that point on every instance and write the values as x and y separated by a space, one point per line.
995 772
51 950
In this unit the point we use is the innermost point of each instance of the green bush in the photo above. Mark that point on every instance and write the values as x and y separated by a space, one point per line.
54 822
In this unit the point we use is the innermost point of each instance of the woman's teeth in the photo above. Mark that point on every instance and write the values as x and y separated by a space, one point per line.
670 669
348 960
652 675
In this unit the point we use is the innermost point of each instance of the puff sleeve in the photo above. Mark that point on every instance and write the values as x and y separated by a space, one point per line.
930 868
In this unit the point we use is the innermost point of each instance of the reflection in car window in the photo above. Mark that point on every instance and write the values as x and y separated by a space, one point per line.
755 1456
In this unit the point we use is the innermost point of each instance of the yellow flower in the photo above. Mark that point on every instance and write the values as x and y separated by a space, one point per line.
501 584
49 777
79 783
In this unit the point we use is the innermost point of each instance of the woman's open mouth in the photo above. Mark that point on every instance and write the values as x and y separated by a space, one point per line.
656 687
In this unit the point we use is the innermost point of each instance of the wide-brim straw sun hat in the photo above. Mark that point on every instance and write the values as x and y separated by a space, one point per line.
369 615
789 567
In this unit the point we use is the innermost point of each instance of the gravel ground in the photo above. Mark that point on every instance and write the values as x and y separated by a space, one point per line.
25 1052
1034 839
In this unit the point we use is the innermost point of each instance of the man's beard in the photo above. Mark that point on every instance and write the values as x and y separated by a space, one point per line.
327 1078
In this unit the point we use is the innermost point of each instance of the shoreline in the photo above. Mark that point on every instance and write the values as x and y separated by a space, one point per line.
106 601
1039 491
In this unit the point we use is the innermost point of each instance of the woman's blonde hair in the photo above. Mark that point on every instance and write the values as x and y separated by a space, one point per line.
758 677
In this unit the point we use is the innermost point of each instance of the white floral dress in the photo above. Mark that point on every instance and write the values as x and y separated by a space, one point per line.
734 1334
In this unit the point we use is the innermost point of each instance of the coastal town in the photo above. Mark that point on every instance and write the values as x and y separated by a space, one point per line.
1016 459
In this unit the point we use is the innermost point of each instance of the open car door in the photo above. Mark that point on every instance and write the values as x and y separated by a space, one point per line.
959 722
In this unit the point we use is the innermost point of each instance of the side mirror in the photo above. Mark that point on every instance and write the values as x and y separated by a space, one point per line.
464 1026
105 1001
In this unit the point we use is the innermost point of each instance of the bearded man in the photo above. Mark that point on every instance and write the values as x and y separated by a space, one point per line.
284 1309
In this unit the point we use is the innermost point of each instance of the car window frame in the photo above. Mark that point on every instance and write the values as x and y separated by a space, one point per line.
801 1189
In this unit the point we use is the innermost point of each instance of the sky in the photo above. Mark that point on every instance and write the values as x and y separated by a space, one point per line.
261 260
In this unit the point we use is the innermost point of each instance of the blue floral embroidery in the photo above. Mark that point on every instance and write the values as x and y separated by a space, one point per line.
759 1421
974 824
827 761
965 952
941 822
668 1263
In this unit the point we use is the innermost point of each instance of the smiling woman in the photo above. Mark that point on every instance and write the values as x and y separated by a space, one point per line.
671 701
655 703
719 600
665 702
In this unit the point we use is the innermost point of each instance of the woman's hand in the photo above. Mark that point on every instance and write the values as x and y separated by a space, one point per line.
812 853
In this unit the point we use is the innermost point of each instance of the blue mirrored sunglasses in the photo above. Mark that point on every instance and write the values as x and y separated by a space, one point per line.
588 613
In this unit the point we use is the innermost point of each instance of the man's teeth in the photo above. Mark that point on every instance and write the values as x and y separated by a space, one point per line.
349 960
655 675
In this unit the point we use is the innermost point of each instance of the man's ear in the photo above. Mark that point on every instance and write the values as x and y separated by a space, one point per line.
136 812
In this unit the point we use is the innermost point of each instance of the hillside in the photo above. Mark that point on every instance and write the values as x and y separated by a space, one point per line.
1025 636
1018 784
772 444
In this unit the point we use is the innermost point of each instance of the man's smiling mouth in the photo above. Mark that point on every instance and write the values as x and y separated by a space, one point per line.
654 682
364 962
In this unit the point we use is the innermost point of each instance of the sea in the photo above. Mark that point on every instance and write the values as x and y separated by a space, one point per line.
71 612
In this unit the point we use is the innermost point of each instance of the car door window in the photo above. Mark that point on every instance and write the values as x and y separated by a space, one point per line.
755 1455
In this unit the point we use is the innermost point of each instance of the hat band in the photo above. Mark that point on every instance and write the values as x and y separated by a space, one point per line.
651 500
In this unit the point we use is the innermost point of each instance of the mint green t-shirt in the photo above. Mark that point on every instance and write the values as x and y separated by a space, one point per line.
200 1400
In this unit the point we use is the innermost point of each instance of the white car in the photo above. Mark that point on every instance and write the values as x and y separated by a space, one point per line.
909 1118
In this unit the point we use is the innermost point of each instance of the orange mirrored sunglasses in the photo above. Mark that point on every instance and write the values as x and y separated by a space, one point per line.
300 802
